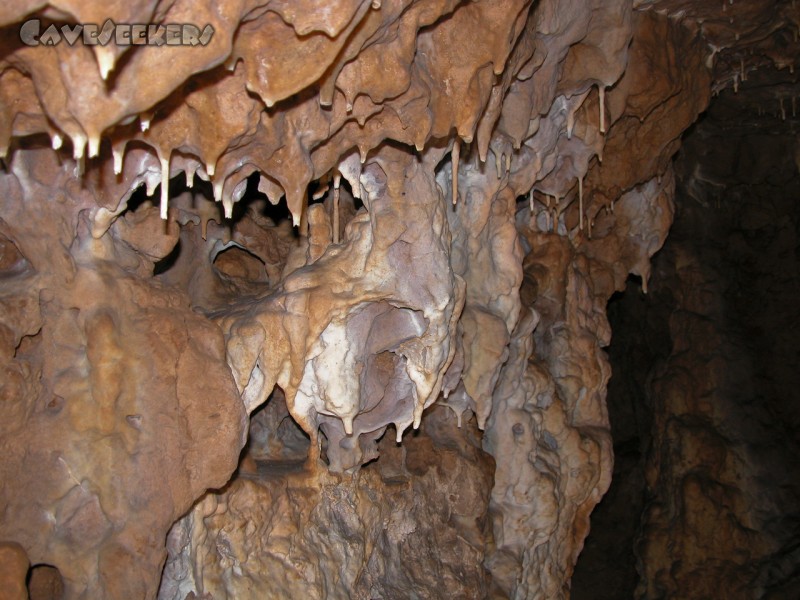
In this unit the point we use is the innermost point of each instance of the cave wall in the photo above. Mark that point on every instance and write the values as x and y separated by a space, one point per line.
464 186
722 472
703 401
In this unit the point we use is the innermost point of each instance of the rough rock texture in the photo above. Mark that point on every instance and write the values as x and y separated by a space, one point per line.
359 210
112 391
278 518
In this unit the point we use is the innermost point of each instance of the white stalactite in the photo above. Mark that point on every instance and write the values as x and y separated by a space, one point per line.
105 61
455 155
78 152
119 156
337 178
164 186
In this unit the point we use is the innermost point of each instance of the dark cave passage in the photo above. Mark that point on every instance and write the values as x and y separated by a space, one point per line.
704 401
606 569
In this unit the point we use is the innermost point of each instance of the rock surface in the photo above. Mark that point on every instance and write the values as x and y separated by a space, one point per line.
384 216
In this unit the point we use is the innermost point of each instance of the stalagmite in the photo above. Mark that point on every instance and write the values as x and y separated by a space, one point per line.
455 155
783 109
794 106
337 178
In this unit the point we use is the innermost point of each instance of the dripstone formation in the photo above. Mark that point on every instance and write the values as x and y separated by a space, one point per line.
316 306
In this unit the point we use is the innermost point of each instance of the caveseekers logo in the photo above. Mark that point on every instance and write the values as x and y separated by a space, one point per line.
90 34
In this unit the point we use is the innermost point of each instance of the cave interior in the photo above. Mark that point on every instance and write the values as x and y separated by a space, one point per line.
389 299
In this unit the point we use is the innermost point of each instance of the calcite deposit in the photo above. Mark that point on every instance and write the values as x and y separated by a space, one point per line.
316 306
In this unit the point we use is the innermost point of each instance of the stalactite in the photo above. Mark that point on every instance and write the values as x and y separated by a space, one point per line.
78 153
337 178
164 185
601 90
580 203
455 155
118 155
570 123
532 217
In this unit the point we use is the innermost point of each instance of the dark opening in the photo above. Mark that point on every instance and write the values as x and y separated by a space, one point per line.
45 583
